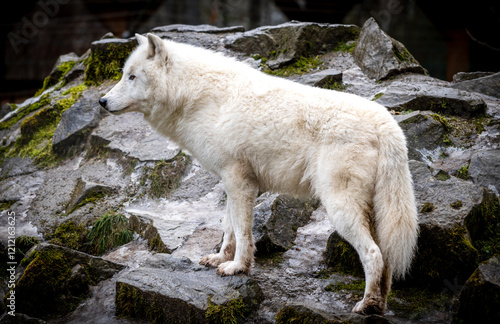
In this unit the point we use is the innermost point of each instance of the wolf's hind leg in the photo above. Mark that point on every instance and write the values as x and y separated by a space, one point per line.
228 247
352 224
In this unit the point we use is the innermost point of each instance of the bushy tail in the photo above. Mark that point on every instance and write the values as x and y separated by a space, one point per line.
396 221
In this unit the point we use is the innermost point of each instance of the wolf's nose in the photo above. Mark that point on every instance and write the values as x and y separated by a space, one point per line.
103 102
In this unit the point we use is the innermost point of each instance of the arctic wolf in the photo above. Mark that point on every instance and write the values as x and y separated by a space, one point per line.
259 132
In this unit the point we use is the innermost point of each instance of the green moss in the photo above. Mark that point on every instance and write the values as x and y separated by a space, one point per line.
304 315
377 96
37 130
416 303
23 244
442 175
401 56
463 172
91 198
345 47
483 224
335 85
42 102
230 313
56 77
5 205
443 253
427 207
299 67
41 290
342 257
165 176
153 307
71 235
109 231
443 120
105 63
457 204
355 285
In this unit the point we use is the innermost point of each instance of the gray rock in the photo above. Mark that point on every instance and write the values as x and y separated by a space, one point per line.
172 290
422 132
289 41
195 187
70 273
481 295
401 96
466 76
85 190
209 29
6 108
20 319
276 219
134 137
297 313
488 85
75 126
484 168
321 79
380 56
448 219
17 166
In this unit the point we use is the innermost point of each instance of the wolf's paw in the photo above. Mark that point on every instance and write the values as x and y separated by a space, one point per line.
231 268
369 306
212 260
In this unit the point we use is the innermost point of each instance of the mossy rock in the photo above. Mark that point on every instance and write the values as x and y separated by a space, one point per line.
173 290
57 279
483 225
480 297
342 257
71 235
300 314
155 308
106 59
165 176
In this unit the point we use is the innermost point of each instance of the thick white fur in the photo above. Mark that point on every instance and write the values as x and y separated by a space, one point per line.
260 132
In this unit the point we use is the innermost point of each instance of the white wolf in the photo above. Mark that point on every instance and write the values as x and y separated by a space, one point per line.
259 132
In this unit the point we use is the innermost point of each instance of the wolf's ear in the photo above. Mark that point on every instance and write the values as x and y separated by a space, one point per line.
141 39
157 48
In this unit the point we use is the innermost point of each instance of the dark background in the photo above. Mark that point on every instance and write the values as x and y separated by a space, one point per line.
446 37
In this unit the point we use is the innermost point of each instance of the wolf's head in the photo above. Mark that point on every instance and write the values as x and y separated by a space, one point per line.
143 81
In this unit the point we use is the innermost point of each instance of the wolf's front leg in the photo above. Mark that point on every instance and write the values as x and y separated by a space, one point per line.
241 187
228 247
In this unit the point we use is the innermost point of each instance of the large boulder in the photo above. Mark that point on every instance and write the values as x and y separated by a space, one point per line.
401 96
171 290
487 84
480 297
423 130
276 219
75 125
287 42
379 56
484 169
56 279
304 314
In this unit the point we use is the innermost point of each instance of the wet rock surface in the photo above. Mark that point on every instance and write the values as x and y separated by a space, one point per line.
116 162
480 293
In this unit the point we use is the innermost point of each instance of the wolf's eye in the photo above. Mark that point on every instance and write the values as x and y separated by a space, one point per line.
131 77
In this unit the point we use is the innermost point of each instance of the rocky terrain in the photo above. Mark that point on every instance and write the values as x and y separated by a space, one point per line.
111 219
